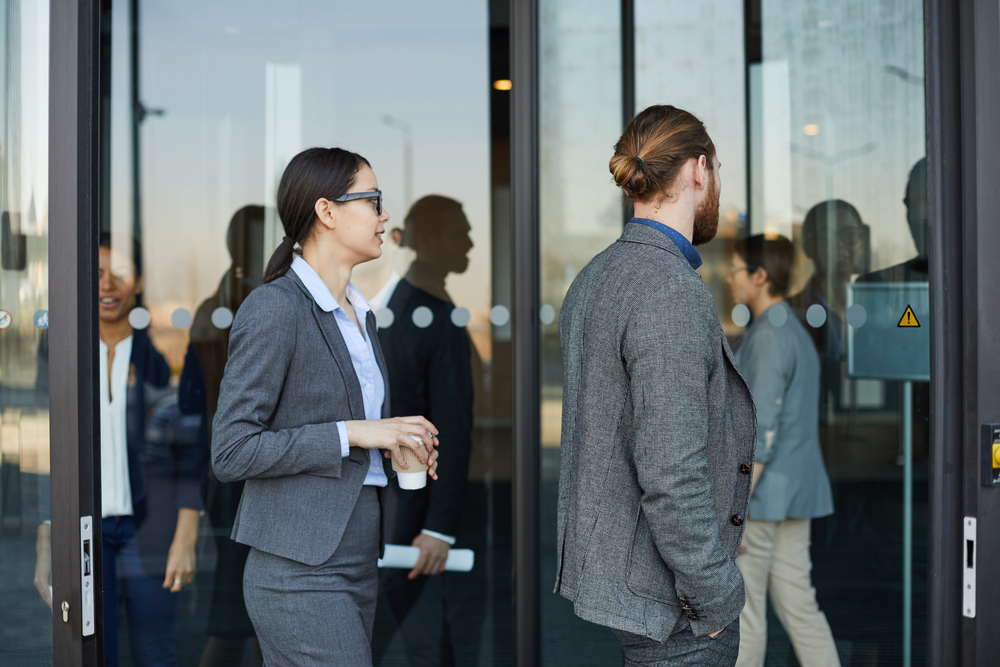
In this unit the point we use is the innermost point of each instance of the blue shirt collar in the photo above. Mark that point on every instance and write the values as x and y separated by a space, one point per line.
690 254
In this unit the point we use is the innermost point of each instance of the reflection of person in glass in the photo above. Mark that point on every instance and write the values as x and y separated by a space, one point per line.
229 627
915 200
148 545
431 374
790 485
828 284
301 418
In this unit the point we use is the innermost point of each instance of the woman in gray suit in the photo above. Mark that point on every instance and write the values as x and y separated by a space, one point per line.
790 487
302 415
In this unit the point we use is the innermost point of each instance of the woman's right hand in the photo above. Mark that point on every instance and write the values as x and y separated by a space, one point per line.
391 434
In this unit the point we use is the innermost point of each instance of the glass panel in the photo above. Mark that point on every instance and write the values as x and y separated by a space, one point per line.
808 104
836 158
25 562
227 95
581 213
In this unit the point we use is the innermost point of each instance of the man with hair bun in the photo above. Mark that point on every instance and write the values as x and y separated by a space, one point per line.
658 426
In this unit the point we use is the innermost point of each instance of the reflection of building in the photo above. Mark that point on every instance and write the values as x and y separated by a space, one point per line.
846 74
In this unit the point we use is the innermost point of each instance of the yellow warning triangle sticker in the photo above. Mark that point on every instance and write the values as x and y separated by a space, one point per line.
908 319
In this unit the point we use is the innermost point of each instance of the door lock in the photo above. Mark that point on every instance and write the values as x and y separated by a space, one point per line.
969 573
65 610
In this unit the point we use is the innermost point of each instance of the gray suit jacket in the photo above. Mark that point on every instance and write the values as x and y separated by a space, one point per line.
288 381
658 433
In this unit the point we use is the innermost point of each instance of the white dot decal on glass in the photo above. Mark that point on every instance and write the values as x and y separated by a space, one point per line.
741 315
222 318
547 314
139 318
777 316
181 318
499 315
857 316
422 316
460 316
816 316
384 317
41 319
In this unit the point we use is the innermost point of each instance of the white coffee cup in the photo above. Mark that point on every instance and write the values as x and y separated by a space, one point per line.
415 476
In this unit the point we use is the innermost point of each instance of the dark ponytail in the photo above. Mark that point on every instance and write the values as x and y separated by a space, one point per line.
313 174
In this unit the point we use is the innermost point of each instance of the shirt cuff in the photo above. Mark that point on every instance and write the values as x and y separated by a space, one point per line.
345 447
444 538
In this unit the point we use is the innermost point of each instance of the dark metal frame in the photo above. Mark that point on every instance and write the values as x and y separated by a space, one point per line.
628 82
525 333
977 275
945 207
628 61
74 119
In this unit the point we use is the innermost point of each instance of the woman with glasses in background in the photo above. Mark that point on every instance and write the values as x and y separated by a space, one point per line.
303 412
789 486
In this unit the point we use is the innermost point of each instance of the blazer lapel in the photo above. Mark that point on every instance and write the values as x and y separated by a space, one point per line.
335 341
380 360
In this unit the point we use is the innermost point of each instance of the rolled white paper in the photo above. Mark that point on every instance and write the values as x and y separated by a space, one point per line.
398 556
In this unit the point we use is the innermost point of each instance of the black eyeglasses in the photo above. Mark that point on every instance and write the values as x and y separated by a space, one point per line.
351 196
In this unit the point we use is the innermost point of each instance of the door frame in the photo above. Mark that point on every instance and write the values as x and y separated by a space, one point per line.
73 386
971 267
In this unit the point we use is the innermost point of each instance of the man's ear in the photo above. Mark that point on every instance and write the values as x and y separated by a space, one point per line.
701 172
397 236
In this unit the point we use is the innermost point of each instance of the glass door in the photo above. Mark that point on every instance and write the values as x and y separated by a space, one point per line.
25 508
205 106
817 112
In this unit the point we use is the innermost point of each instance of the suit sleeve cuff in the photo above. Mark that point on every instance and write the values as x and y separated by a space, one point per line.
345 447
444 538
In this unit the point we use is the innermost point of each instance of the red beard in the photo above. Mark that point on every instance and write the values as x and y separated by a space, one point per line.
706 217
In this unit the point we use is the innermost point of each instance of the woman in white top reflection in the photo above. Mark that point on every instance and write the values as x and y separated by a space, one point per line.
303 412
148 542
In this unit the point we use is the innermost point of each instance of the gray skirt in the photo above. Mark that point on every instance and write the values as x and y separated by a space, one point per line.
319 615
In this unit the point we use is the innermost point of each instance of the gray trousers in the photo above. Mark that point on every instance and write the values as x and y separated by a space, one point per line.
321 615
682 649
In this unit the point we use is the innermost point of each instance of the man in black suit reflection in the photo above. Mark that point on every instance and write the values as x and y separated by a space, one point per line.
914 270
835 221
430 372
229 628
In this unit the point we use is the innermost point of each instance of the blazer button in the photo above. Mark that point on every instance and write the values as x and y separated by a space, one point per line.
736 520
745 469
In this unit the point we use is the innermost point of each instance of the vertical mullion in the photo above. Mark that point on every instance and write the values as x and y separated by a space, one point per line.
628 61
752 54
73 213
526 332
628 77
944 194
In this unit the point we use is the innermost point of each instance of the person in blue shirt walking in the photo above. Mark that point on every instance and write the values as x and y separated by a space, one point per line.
790 485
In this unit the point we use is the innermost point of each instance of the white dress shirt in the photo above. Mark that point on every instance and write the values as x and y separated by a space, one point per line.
116 490
362 357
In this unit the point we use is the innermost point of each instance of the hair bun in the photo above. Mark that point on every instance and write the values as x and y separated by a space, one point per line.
654 148
629 175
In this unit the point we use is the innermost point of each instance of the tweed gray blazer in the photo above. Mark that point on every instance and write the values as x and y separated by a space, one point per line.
288 381
658 435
